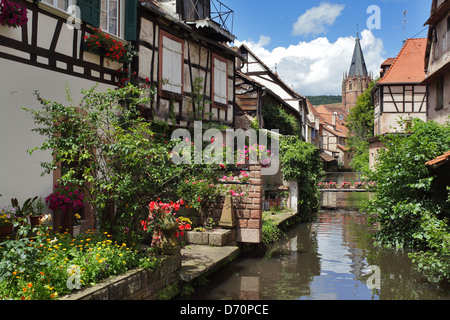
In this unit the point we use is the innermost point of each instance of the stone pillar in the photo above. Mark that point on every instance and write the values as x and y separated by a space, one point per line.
249 209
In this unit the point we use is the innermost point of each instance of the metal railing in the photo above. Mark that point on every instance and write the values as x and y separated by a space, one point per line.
213 9
222 15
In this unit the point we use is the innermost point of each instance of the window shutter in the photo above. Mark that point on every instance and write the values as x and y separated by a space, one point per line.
90 11
172 65
220 81
130 19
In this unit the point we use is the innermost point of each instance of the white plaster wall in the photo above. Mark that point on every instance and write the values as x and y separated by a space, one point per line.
20 173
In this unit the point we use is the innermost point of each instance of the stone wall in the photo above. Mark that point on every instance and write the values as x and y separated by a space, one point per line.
139 284
248 209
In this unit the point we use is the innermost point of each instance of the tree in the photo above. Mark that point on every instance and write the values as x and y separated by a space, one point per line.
360 122
121 160
411 204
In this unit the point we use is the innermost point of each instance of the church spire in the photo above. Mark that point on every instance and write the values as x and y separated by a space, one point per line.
358 66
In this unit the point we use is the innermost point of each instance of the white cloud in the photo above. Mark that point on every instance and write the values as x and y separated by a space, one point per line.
316 67
314 20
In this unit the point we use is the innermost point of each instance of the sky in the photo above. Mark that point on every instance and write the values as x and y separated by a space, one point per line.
311 42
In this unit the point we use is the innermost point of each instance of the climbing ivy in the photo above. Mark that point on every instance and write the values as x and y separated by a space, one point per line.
300 162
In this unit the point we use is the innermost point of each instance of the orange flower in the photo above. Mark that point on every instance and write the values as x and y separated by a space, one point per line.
29 285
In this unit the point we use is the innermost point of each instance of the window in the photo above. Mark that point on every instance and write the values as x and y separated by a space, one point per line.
192 10
171 63
110 16
60 4
116 17
220 81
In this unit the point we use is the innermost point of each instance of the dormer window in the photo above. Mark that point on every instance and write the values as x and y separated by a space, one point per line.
193 10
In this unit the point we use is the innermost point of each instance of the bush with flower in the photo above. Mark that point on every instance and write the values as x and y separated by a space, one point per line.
332 185
12 14
359 185
65 196
184 224
346 185
39 268
7 215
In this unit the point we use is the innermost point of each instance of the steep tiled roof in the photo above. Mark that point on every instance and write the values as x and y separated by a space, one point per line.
326 118
408 66
358 66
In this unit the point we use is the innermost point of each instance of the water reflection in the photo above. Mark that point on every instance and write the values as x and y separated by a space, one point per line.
327 260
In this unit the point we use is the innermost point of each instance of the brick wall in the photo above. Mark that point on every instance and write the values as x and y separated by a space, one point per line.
248 209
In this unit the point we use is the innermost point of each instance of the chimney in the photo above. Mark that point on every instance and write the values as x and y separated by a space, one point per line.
333 119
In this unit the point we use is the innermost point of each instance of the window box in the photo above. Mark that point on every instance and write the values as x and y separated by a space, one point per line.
105 45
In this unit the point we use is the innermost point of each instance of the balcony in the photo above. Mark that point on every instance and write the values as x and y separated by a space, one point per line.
211 16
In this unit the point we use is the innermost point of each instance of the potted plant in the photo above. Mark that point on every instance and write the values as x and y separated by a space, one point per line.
76 224
162 224
7 216
38 212
65 200
22 212
12 14
345 185
103 44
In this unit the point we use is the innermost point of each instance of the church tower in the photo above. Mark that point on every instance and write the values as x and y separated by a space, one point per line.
357 80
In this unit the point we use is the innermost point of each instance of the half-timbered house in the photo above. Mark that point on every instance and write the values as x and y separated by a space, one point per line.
251 97
182 50
399 94
48 54
437 62
259 71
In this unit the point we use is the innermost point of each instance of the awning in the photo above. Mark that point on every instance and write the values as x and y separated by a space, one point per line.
439 161
326 157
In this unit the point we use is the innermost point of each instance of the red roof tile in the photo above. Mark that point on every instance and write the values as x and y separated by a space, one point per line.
409 65
439 160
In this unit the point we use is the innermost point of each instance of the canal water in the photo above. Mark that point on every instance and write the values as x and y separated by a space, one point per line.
332 258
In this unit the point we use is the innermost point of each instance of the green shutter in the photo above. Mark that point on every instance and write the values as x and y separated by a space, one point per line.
130 19
90 11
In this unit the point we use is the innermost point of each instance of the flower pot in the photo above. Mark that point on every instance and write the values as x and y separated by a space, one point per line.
169 244
6 229
76 230
35 220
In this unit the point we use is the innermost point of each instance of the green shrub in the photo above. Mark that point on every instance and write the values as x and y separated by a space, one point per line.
410 204
50 265
300 162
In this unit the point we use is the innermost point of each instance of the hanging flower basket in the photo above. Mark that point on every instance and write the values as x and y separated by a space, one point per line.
12 14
